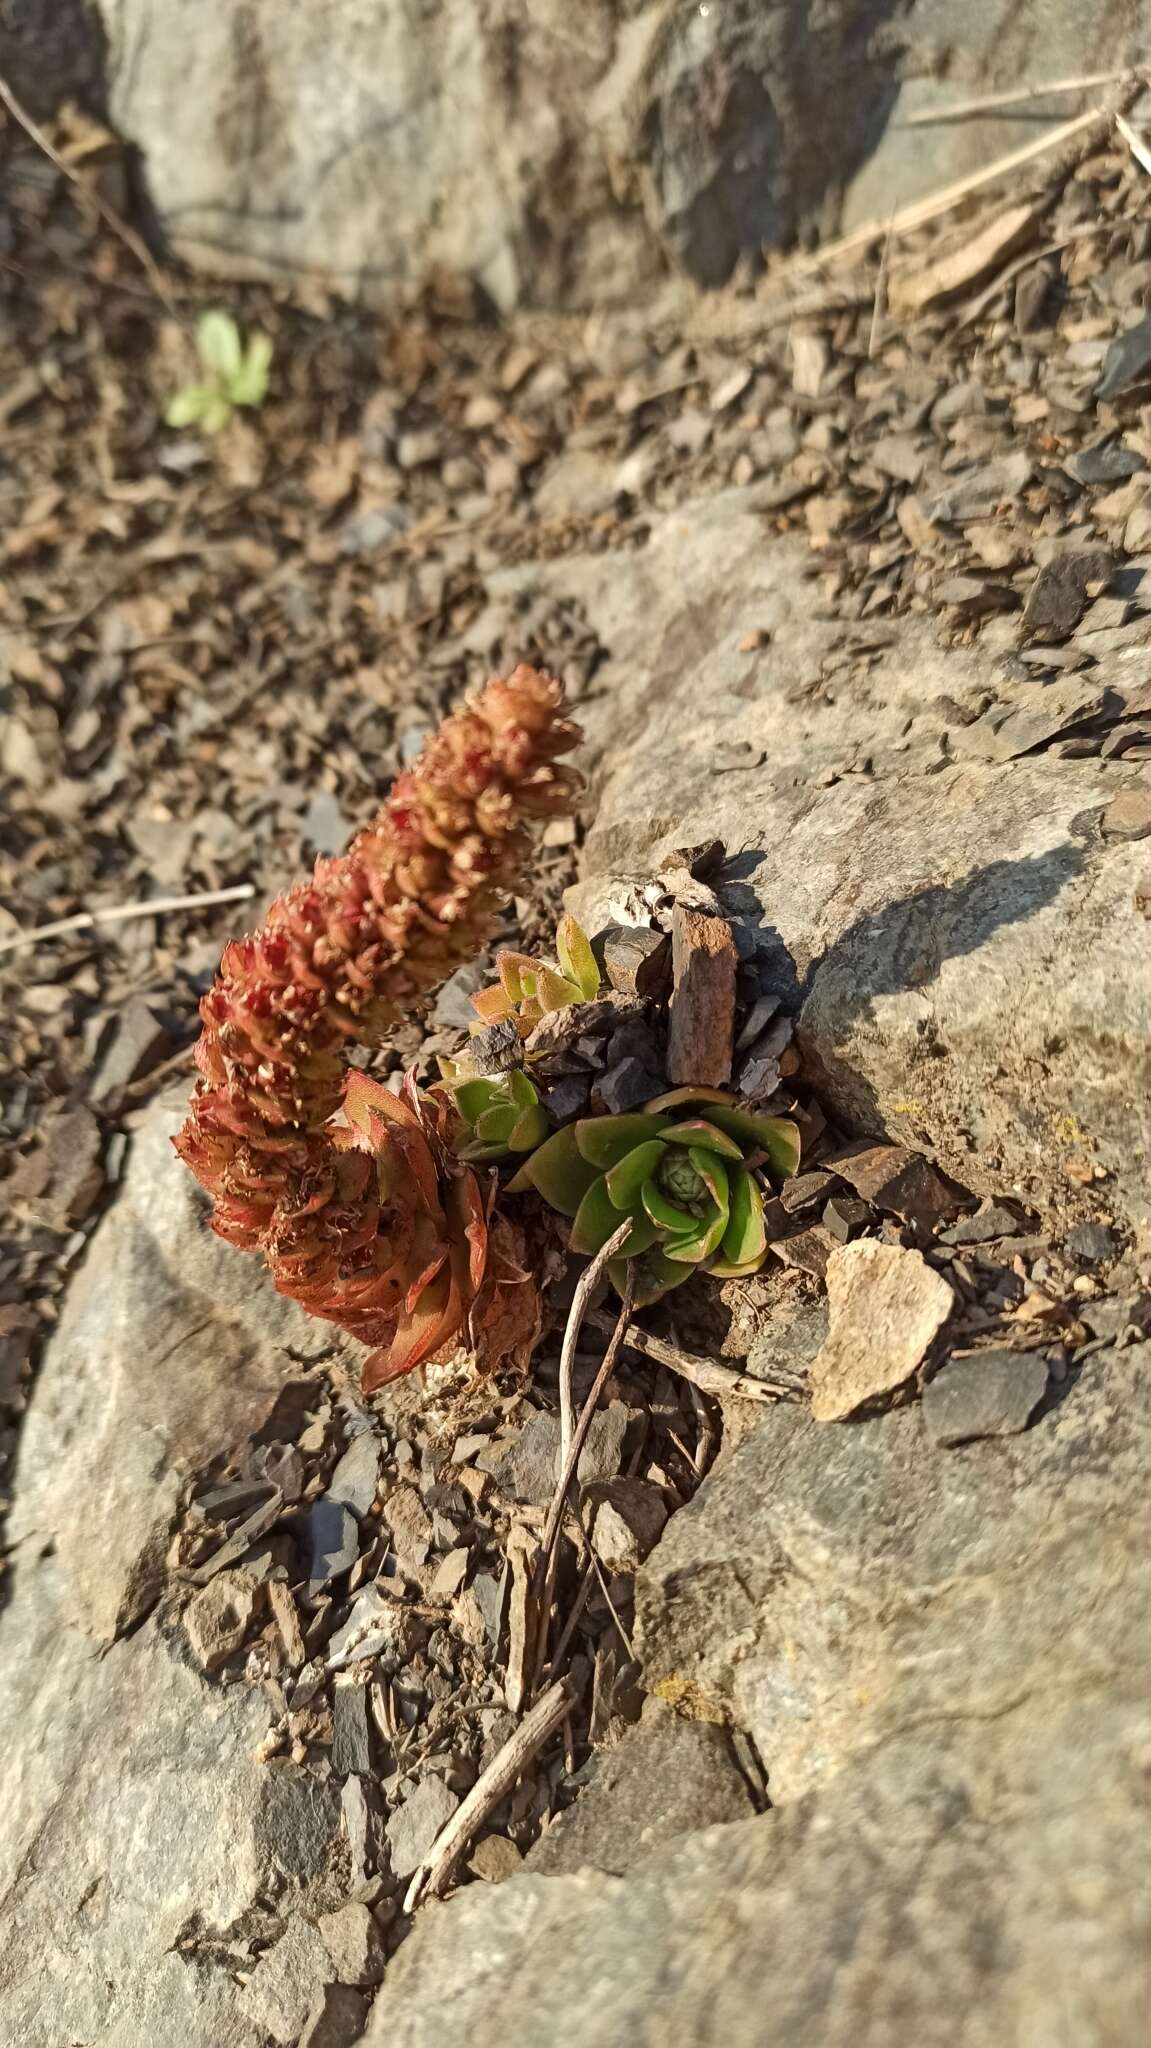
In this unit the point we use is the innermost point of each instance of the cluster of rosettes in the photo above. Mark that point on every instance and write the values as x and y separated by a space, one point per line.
334 1208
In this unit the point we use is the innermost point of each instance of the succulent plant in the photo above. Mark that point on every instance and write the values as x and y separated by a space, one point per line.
683 1170
235 373
529 990
500 1115
332 1205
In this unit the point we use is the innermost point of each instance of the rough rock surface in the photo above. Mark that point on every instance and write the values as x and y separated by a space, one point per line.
942 1658
141 1845
170 1349
962 944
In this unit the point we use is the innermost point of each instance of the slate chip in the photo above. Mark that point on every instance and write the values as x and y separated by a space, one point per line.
1091 1243
333 1539
992 1393
351 1742
1127 362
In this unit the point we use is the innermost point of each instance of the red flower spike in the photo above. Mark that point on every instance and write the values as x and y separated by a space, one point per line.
370 1222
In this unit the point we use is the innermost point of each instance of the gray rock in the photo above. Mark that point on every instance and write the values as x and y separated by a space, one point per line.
351 1742
667 1777
284 1983
413 1827
166 1355
354 1943
943 1663
136 1828
991 1220
971 909
218 1617
629 1515
137 1042
354 1481
1091 1243
628 1085
343 142
452 1010
527 1469
994 1393
336 2018
333 1539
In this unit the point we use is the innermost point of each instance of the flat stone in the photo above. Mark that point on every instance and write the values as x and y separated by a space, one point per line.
633 959
414 1825
351 1741
138 1042
844 1215
991 1220
218 1617
1061 590
280 1991
628 1520
887 1307
1091 1243
407 1518
527 1470
701 1009
628 1085
1127 362
993 1393
378 1627
806 1191
1128 815
450 1574
354 1943
333 1541
494 1858
356 1476
452 1009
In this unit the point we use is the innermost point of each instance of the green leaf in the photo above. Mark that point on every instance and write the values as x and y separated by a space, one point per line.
704 1240
495 1126
722 1269
626 1179
745 1239
249 386
675 1096
558 1171
700 1132
713 1174
597 1219
219 344
188 407
217 413
473 1097
529 1130
573 950
665 1213
655 1276
605 1140
775 1135
553 991
476 1152
520 1089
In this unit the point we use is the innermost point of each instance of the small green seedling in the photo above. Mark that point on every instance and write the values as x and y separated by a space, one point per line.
234 374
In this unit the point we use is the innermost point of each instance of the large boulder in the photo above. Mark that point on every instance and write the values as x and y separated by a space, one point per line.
963 941
170 1350
557 158
943 1660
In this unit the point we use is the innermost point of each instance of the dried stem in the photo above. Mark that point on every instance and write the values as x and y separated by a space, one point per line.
108 214
585 1287
490 1787
703 1373
119 913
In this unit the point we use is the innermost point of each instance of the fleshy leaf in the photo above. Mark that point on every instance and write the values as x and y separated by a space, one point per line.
249 386
664 1213
597 1219
520 1089
675 1096
704 1240
713 1174
474 1097
746 1236
605 1140
529 1130
495 1126
700 1132
626 1179
558 1171
188 406
578 962
491 1005
775 1135
553 991
218 341
655 1276
517 972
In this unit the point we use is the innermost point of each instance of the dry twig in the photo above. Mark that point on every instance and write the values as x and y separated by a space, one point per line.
703 1373
585 1287
961 110
490 1787
108 214
118 913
